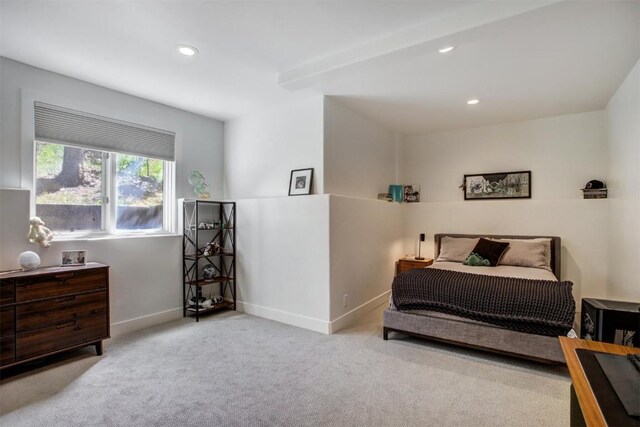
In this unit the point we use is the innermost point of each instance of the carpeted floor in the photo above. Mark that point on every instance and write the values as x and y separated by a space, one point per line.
237 370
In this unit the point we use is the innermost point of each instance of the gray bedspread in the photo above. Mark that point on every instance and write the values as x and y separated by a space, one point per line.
541 307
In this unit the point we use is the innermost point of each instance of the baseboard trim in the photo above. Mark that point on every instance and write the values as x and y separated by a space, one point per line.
298 320
131 325
350 317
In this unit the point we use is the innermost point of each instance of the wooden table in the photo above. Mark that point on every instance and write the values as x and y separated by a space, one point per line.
591 411
407 264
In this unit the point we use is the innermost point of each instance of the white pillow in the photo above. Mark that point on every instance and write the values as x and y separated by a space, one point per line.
534 253
456 249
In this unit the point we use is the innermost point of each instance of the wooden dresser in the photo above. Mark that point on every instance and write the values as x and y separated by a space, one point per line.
52 309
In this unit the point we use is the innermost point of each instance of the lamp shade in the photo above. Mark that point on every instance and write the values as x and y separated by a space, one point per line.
422 237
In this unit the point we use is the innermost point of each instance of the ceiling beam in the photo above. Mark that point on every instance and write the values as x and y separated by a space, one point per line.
403 44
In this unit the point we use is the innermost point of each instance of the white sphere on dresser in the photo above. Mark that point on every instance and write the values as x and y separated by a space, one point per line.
28 260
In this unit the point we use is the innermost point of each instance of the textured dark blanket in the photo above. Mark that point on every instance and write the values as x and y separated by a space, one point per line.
540 307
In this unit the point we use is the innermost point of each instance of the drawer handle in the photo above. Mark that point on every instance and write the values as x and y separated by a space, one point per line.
65 324
64 276
65 299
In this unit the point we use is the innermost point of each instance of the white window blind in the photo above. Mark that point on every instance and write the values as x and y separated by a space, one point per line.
61 125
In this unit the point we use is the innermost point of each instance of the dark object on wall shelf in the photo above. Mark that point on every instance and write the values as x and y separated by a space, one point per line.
53 309
594 189
595 184
501 185
601 318
208 256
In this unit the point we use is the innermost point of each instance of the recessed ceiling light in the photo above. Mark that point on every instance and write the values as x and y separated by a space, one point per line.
187 50
473 101
446 49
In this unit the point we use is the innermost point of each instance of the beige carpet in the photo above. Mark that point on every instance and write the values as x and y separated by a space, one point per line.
235 370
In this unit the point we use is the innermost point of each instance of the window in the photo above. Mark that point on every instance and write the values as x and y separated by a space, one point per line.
139 196
75 187
70 187
98 174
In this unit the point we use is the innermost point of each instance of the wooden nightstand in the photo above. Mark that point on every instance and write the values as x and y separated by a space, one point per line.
406 264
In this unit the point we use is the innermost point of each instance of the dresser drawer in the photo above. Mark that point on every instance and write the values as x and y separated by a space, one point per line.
7 292
60 336
7 350
407 265
36 315
7 325
54 285
7 336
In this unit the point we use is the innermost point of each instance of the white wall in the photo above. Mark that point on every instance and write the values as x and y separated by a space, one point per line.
283 259
623 135
145 273
199 140
366 241
286 269
359 154
563 153
262 149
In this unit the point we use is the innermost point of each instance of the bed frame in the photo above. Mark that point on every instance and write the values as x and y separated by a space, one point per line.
482 336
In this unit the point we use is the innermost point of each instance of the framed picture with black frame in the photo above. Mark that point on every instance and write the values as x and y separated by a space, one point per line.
497 185
300 182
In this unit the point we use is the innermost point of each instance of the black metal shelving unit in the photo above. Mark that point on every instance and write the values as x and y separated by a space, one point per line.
208 238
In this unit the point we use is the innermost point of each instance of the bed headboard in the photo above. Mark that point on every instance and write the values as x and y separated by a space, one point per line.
555 245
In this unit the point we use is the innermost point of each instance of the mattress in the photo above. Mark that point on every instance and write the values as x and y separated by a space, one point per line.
501 270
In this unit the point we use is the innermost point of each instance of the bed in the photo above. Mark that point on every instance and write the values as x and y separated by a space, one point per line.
477 332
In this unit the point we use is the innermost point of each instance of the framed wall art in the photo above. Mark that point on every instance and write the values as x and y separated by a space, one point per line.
500 185
300 182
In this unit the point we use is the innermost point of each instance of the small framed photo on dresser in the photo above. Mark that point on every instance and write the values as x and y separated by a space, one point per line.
73 258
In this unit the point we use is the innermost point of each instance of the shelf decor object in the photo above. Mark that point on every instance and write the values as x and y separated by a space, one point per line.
594 189
396 191
200 187
300 182
208 256
411 193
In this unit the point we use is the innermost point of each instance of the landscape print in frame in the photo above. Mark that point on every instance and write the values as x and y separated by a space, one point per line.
500 185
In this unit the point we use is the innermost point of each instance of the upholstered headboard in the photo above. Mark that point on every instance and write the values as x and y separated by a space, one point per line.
555 245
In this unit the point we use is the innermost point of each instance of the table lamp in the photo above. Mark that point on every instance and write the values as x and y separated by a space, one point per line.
420 247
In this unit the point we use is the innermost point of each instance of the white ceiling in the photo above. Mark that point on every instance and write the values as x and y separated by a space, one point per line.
523 59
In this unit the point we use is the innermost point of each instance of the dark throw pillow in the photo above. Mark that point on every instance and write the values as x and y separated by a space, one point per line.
490 250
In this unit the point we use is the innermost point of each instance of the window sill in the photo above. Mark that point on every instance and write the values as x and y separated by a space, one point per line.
94 237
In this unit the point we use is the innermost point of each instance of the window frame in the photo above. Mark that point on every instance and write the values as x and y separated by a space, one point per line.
109 198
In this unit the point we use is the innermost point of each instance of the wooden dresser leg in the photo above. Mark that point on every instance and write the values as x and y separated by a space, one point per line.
385 333
99 348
